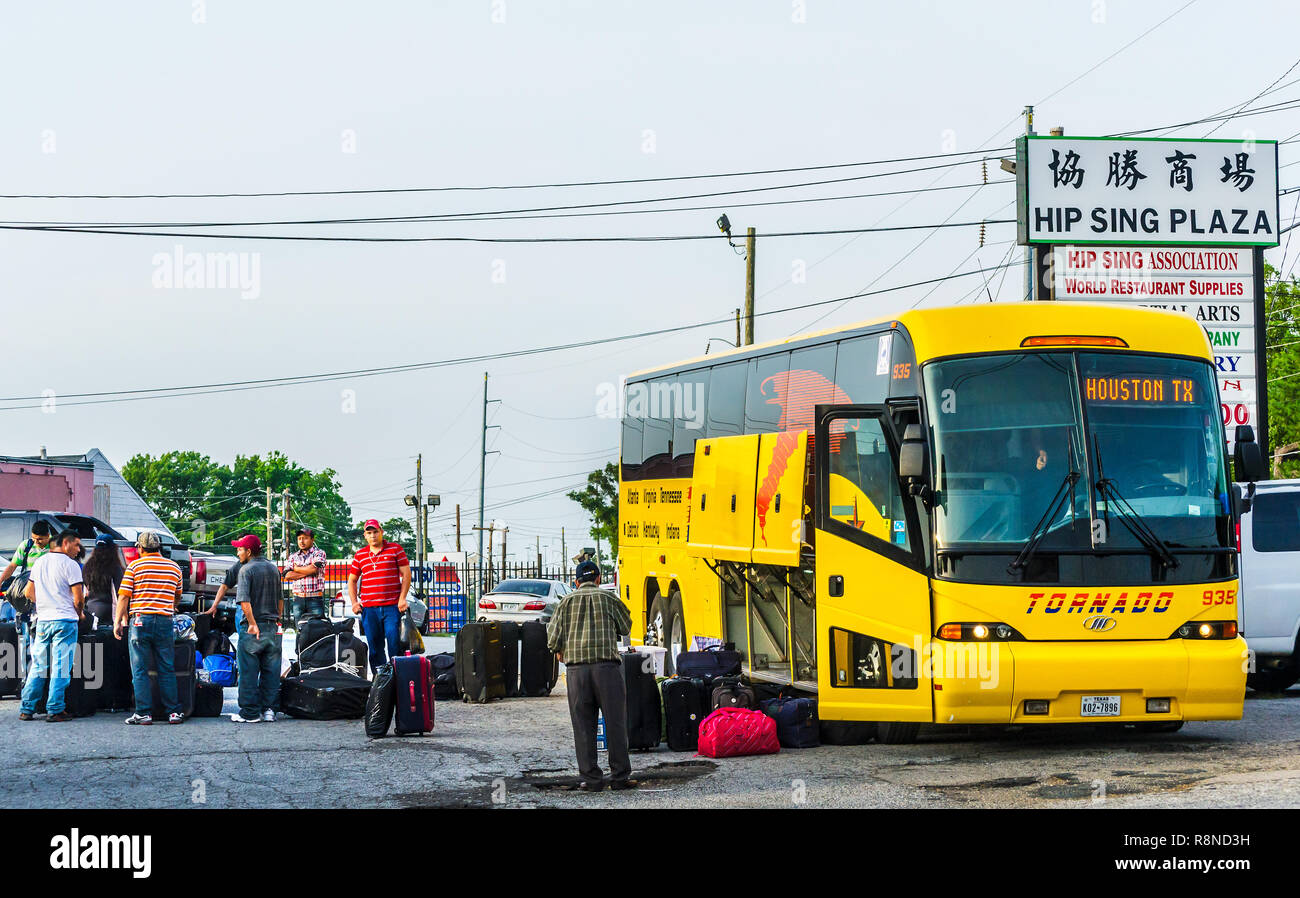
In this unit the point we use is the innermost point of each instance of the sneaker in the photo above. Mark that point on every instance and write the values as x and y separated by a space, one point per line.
240 718
268 716
23 715
143 720
60 717
624 784
176 718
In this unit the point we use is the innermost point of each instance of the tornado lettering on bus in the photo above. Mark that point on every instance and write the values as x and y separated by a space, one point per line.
786 443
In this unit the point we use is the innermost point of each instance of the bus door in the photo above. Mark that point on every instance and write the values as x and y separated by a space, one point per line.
873 598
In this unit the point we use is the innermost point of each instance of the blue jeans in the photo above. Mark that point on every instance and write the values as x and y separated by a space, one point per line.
153 647
54 647
383 627
259 669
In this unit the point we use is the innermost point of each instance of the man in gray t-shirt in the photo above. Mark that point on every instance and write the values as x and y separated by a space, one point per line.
258 651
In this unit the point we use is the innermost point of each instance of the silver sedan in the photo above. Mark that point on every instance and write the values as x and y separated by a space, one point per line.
522 600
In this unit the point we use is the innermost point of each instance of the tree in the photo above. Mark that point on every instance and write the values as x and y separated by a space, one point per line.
600 500
207 504
1282 342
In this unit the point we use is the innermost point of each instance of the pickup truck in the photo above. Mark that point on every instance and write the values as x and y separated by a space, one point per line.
16 527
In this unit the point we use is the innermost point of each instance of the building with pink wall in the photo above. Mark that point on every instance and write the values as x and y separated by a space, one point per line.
47 485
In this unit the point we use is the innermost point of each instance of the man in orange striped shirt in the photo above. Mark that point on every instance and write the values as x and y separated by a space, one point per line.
151 587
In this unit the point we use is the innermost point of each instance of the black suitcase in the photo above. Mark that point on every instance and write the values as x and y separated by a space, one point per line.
539 669
444 675
686 703
337 648
186 681
480 673
10 682
643 714
313 629
115 690
380 703
720 661
729 692
510 635
78 698
325 695
208 700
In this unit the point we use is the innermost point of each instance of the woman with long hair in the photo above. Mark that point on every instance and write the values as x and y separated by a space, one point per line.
102 574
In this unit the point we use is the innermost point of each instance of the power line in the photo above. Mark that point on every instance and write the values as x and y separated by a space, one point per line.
1289 70
445 189
115 396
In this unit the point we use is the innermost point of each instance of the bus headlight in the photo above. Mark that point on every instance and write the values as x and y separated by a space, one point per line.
978 632
1206 629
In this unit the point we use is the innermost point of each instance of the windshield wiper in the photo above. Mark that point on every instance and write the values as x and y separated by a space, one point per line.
1128 515
1040 529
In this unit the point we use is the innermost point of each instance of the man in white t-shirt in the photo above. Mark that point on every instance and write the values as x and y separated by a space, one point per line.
55 587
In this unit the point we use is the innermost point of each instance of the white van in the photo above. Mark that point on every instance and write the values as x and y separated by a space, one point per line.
1269 610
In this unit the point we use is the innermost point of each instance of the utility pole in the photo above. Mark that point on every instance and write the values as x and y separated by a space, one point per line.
749 286
539 556
564 552
419 528
284 525
504 531
1030 292
482 475
457 526
491 529
738 327
270 534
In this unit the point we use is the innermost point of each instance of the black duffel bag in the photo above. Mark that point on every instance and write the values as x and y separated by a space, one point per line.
325 695
718 661
381 702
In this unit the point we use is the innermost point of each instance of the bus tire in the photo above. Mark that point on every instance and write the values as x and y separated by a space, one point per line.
675 638
897 733
846 732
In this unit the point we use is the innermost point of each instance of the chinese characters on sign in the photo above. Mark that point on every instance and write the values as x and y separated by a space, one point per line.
1108 190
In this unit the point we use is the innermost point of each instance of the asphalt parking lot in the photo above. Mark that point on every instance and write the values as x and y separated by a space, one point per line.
519 753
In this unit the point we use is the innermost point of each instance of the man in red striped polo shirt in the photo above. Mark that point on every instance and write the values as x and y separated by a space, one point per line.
385 575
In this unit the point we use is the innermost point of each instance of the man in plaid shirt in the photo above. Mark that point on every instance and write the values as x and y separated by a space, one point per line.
305 574
584 633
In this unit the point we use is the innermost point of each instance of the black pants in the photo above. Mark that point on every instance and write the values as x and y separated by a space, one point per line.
591 686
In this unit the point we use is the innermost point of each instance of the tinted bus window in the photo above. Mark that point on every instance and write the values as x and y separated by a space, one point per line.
769 381
726 415
688 420
657 439
811 383
1276 522
631 453
862 368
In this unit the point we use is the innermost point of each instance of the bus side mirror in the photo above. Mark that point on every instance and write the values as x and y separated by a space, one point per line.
911 462
1247 457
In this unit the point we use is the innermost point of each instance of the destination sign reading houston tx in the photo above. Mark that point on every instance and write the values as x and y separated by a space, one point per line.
1140 389
1195 192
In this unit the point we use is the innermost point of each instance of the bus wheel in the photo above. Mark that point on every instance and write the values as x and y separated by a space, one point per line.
676 633
897 733
656 628
846 732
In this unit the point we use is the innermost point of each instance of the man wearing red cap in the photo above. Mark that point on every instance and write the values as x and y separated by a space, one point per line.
258 651
385 575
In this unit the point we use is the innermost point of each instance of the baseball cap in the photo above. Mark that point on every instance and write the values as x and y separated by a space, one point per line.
305 530
105 538
588 570
249 542
371 524
147 539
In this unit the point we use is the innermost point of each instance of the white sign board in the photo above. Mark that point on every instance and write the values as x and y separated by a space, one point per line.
1145 191
1214 286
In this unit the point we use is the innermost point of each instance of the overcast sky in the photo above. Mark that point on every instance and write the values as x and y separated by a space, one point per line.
180 97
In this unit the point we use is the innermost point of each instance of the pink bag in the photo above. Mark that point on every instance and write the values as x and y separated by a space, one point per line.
730 732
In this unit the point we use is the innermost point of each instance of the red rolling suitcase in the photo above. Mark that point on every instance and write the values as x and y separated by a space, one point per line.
413 678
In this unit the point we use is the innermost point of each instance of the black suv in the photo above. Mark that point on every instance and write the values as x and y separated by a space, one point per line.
16 527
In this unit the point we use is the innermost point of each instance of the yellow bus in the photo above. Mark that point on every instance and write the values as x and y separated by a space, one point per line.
1001 514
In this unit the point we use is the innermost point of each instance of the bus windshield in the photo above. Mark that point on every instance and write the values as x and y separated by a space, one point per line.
1083 451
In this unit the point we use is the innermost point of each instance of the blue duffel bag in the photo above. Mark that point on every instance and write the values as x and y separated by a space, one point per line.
796 721
220 670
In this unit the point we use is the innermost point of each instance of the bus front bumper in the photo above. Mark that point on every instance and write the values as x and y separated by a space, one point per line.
1203 680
